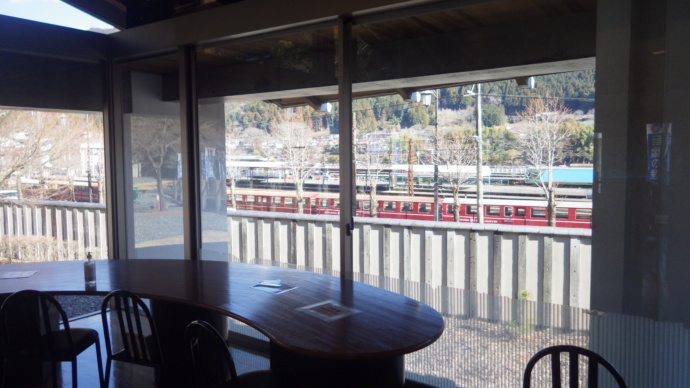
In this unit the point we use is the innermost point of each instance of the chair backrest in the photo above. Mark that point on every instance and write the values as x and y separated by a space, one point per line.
212 362
132 330
28 319
573 352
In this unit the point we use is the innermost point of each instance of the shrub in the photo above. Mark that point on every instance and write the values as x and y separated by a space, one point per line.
22 249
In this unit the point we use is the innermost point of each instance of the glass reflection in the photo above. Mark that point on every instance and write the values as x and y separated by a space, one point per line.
265 142
152 122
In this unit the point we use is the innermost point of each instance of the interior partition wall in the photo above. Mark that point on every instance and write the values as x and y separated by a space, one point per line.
148 145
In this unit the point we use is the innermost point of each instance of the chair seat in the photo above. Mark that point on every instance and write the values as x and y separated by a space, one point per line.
56 346
150 358
30 324
256 379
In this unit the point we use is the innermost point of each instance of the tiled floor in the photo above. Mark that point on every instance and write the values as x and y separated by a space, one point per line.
134 376
127 375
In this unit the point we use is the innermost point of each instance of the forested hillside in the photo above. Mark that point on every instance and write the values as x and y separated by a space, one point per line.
500 99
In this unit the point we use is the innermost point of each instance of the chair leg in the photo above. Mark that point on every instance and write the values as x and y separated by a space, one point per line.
54 366
3 382
100 363
106 378
74 373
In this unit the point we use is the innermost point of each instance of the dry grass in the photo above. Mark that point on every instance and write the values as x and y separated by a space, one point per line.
23 249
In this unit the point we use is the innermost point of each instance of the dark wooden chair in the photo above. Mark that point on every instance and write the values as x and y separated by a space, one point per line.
131 336
212 363
30 325
574 352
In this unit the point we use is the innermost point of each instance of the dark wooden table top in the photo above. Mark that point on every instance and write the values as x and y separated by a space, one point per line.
388 324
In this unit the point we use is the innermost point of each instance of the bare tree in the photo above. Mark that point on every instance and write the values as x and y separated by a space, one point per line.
153 139
33 142
455 157
370 156
544 145
300 153
232 169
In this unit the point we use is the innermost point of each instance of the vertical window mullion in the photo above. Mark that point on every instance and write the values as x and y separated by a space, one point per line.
190 154
347 180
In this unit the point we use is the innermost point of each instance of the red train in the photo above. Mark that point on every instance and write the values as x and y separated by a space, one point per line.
496 211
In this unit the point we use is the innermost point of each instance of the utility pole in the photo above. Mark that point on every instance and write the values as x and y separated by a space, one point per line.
480 159
436 207
410 170
425 98
88 156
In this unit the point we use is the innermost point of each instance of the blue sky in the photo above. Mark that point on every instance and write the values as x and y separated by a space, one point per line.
50 11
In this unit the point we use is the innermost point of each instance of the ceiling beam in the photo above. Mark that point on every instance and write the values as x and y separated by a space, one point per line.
458 58
405 93
230 21
40 39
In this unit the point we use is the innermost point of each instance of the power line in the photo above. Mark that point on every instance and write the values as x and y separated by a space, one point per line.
541 97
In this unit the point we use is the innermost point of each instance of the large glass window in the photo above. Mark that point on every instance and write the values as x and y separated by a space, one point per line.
429 140
264 136
151 119
52 186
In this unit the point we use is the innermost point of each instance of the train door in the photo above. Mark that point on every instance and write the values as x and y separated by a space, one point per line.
517 214
389 209
424 211
406 210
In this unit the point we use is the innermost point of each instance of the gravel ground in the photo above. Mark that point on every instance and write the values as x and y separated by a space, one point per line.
152 224
77 305
471 353
477 353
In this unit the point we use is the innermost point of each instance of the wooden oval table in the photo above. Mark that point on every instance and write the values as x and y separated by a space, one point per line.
366 348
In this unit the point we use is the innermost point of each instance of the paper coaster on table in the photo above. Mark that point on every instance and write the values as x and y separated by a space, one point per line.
16 274
328 310
274 286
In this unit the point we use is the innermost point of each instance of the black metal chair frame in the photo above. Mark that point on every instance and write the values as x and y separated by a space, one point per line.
139 347
47 334
212 362
216 350
594 360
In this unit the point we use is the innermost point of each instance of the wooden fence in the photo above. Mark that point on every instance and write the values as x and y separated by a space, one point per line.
543 264
77 227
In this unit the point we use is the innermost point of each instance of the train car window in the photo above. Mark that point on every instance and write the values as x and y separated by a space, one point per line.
324 203
336 204
520 211
508 211
238 199
493 210
424 208
289 201
561 213
389 206
366 204
407 207
451 209
538 212
264 200
471 209
583 214
276 200
250 199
